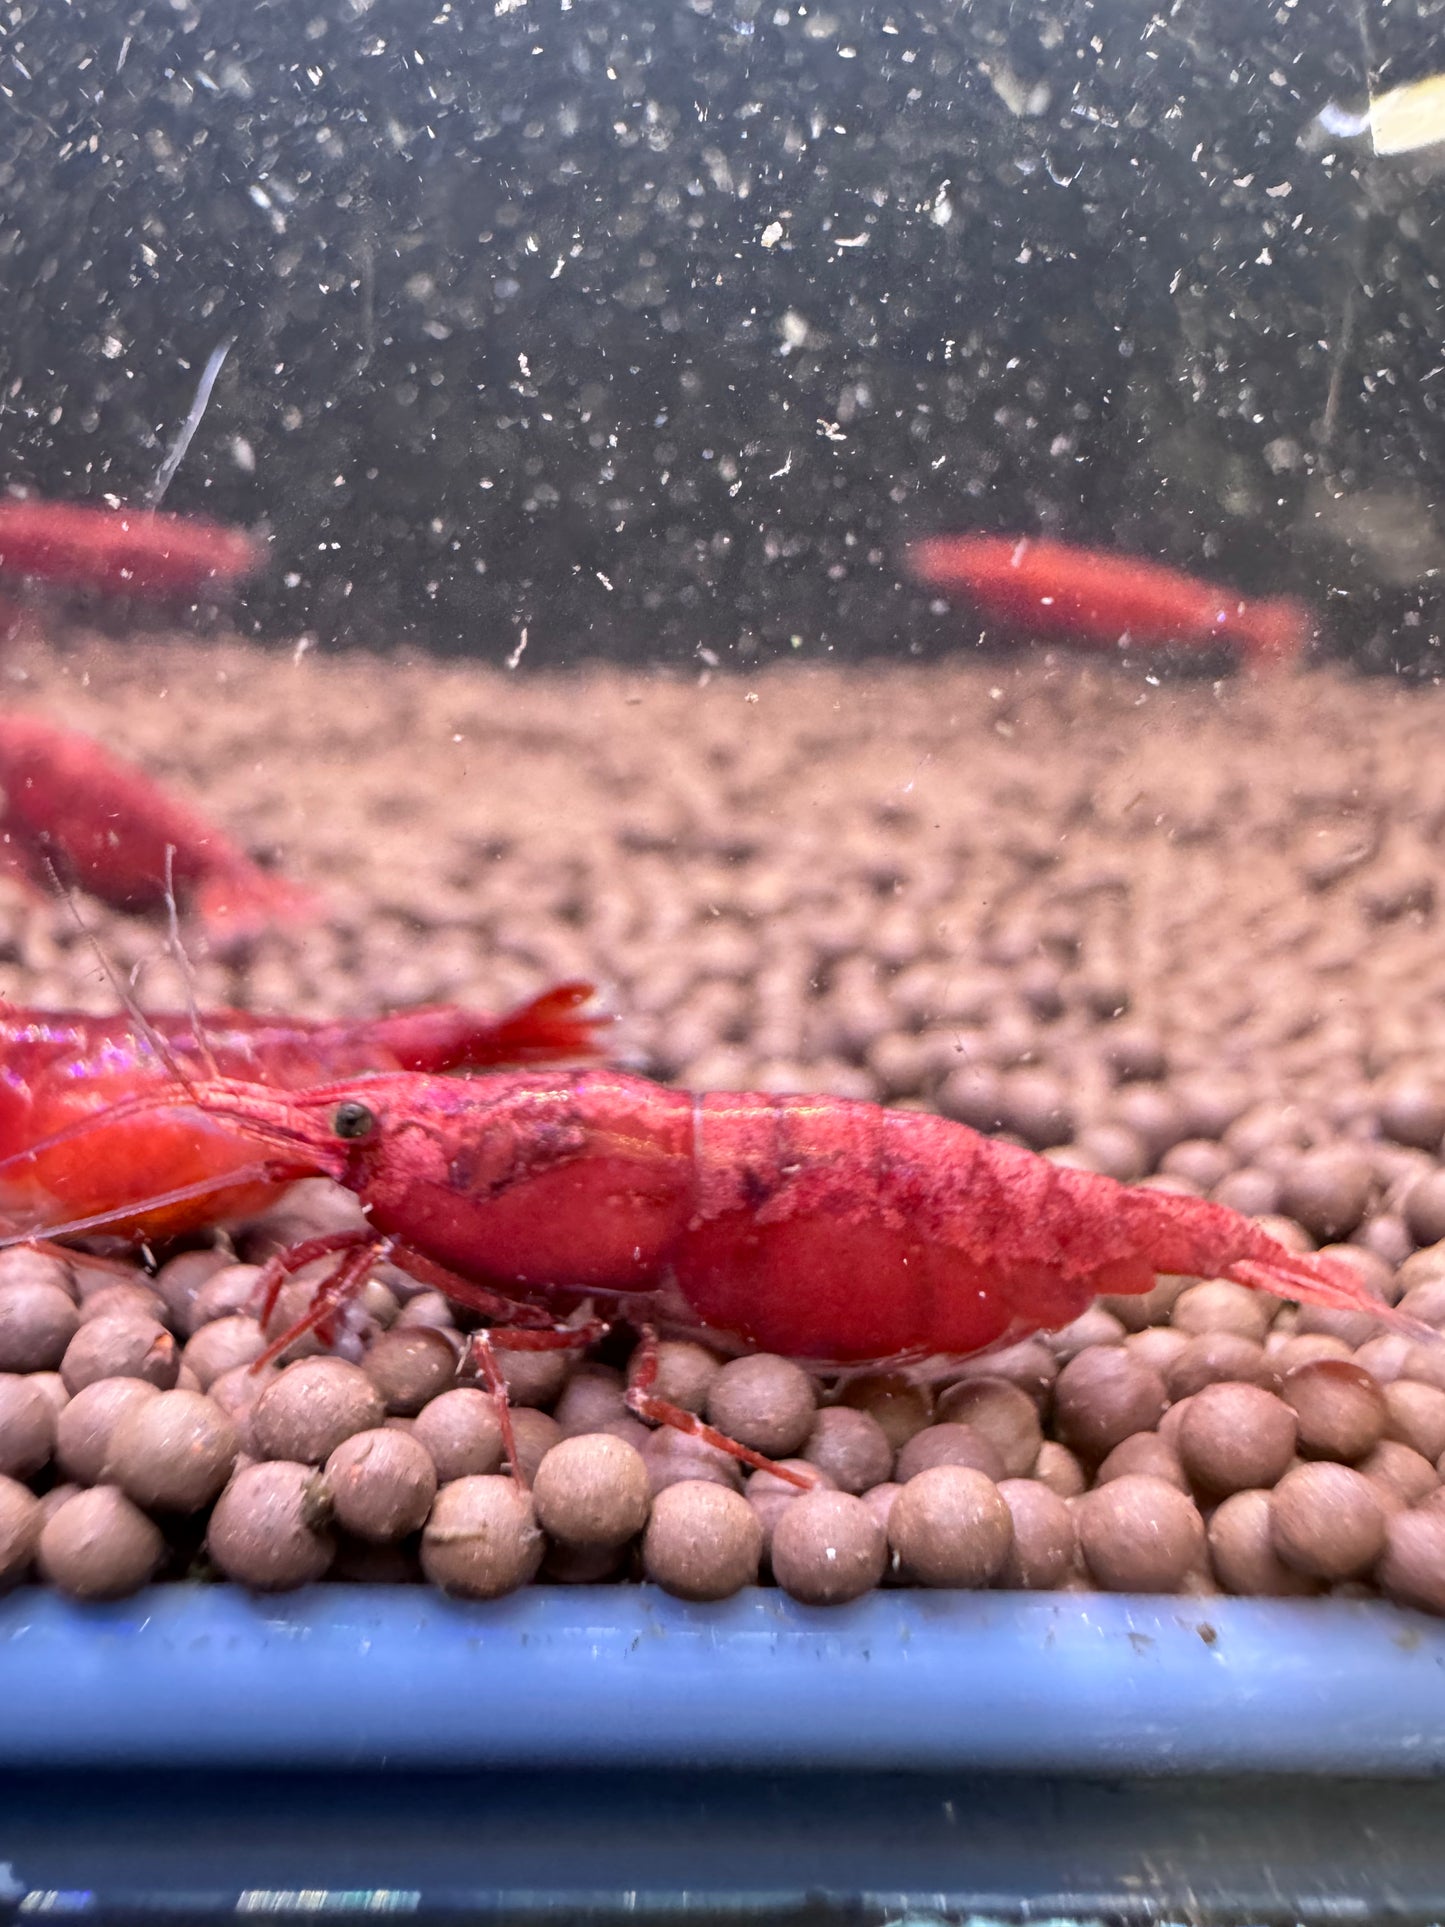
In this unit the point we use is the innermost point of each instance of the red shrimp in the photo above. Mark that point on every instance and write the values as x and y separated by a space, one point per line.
1097 596
63 1073
105 826
123 551
829 1230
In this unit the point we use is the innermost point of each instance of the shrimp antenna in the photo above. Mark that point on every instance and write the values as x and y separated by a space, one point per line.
214 363
122 991
177 949
1367 47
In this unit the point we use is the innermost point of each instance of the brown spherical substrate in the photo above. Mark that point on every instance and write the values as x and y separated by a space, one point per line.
751 949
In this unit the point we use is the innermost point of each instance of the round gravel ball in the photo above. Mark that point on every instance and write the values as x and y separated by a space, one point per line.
1425 1208
1391 1355
828 1548
173 1452
221 1346
1102 1395
951 1527
1327 1191
764 1402
181 1277
462 1433
1285 1350
411 1366
1139 1534
1093 1330
1340 1408
953 1444
1217 1358
1241 1551
1400 1472
125 1301
532 1378
879 1502
431 1308
1412 1111
673 1457
685 1373
899 1406
769 1494
1030 1366
1415 1416
228 1292
1158 1347
1327 1520
1044 1543
53 1386
1411 1570
592 1491
312 1407
236 1392
38 1319
269 1530
122 1347
382 1484
21 1518
535 1434
1006 1416
1234 1437
482 1539
28 1265
83 1429
98 1545
1059 1469
1216 1305
703 1541
1169 1425
593 1400
852 1448
27 1427
1145 1452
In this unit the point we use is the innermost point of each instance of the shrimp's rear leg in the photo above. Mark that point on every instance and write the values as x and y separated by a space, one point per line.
484 1346
642 1400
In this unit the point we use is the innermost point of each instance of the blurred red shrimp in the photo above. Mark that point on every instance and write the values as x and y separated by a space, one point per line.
63 1074
104 826
121 551
1102 598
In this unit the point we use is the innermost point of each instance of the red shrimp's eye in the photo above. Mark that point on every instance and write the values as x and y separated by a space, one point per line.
353 1119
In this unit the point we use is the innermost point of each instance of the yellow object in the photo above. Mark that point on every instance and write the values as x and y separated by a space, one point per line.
1409 118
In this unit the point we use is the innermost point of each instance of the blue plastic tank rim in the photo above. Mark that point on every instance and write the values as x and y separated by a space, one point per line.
629 1676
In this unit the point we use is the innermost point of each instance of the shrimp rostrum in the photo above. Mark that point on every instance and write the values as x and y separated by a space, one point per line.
828 1230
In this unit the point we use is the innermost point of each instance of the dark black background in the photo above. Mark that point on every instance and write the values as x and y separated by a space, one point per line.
510 349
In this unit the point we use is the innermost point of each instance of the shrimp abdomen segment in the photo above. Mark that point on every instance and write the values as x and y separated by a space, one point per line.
835 1230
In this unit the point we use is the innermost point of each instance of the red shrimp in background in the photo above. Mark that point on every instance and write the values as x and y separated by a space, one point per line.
1099 598
121 551
97 822
826 1229
104 826
62 1073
